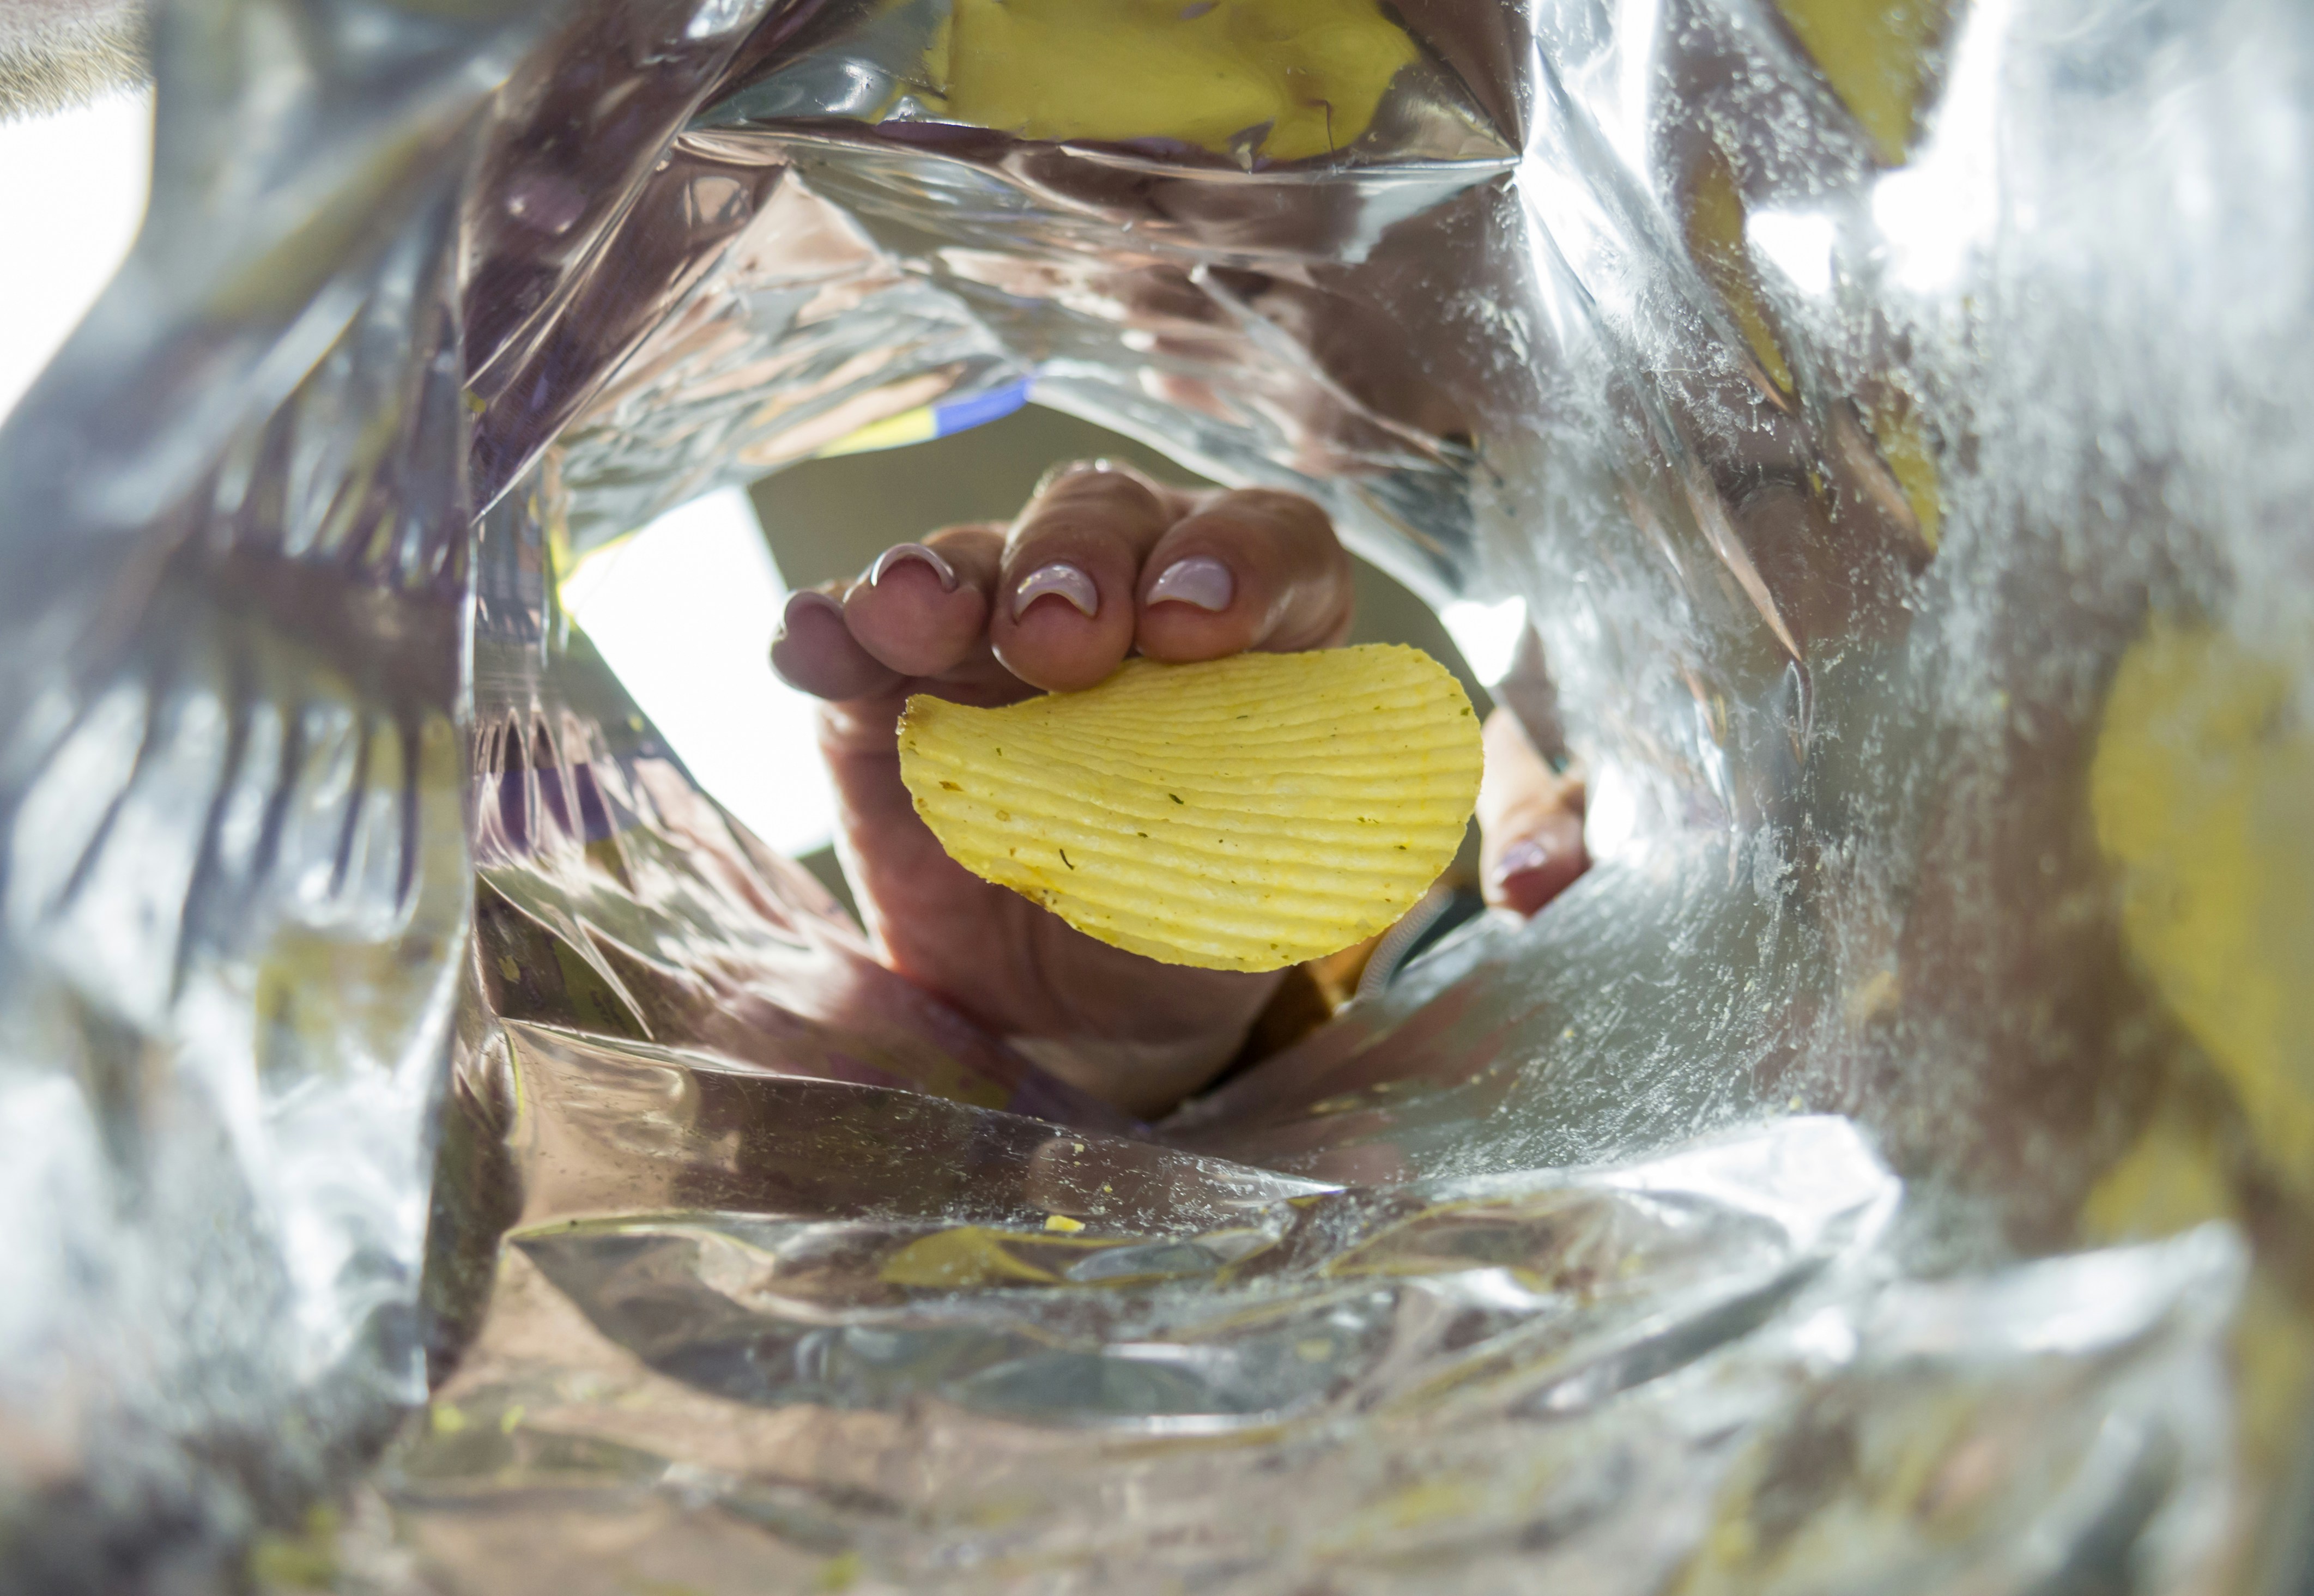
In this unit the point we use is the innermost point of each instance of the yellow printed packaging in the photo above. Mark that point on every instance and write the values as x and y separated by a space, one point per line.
1243 813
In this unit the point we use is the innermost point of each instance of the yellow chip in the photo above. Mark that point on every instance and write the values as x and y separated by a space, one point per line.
1243 813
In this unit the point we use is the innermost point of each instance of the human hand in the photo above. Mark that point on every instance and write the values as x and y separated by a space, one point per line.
1102 561
1530 821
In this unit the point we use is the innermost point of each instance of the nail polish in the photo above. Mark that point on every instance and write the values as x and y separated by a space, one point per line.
810 598
798 606
1538 867
1528 853
898 552
1200 580
1060 577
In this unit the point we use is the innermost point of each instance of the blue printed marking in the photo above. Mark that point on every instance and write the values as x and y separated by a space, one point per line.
961 414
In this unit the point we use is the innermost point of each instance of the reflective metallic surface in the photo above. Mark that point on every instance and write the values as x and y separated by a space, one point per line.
1891 1165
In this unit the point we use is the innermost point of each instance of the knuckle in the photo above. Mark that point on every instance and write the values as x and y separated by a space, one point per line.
1297 525
1284 507
1098 481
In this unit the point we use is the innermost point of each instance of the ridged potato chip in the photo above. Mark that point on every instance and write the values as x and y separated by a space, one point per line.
1243 813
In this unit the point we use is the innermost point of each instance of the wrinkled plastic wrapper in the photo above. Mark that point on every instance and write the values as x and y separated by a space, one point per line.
443 1152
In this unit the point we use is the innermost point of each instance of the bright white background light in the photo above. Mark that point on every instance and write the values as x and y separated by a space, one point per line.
1942 207
1799 244
684 611
73 188
1486 634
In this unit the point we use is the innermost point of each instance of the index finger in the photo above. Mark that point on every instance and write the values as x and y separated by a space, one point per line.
1063 612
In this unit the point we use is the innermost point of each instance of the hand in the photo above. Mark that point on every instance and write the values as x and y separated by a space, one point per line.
1102 561
1530 822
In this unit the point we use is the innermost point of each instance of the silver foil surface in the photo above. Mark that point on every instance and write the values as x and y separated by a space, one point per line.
440 1151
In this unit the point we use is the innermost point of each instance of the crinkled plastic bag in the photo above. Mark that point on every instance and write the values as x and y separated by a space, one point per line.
442 1151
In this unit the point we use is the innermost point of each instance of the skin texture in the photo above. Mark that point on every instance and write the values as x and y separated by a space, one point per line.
1140 1034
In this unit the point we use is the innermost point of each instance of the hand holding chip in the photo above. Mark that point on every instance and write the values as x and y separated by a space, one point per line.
1102 563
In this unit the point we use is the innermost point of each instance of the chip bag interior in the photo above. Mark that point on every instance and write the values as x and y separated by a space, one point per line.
442 1151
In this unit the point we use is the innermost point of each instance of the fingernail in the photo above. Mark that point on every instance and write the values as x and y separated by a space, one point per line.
900 552
1200 580
1060 577
1538 868
1529 853
799 603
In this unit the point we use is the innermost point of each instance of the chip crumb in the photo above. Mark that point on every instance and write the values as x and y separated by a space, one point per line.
1062 1222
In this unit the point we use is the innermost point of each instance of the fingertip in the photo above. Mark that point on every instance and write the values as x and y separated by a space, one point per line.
1066 604
1251 569
1059 631
1197 606
913 613
815 652
808 625
1536 867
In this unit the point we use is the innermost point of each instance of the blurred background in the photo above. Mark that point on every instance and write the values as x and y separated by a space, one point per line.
684 608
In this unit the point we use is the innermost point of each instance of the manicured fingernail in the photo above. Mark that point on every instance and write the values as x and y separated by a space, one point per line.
1528 853
1060 577
902 551
1538 868
802 603
1200 580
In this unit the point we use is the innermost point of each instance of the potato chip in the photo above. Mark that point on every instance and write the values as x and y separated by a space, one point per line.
1243 813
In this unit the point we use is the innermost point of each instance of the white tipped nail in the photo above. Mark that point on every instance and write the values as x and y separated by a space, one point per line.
1059 577
900 552
1200 580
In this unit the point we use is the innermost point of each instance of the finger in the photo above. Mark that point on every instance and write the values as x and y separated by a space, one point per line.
1064 602
923 608
815 652
1530 822
1251 570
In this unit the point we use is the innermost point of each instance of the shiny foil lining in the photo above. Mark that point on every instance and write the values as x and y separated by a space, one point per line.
443 1153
